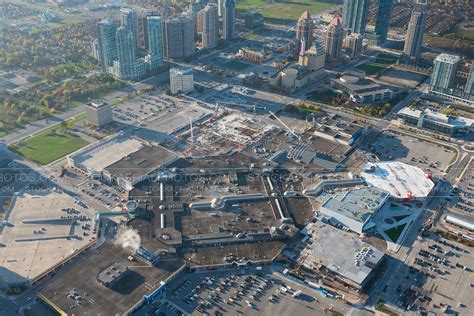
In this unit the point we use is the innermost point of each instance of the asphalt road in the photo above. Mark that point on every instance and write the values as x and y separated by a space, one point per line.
40 125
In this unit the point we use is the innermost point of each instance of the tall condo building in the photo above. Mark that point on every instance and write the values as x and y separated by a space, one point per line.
125 63
304 32
178 37
194 8
444 72
469 88
334 40
220 6
210 26
228 20
107 46
129 19
143 27
382 21
355 14
155 42
416 28
143 30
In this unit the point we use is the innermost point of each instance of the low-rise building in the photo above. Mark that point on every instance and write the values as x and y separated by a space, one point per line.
460 221
135 167
294 77
377 96
112 274
257 57
338 129
121 161
339 256
355 207
437 122
92 160
403 181
363 91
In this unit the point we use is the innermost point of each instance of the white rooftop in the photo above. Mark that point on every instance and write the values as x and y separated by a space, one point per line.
399 179
99 157
463 221
181 71
438 117
447 58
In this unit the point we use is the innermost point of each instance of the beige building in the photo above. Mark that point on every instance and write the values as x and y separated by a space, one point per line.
99 113
293 77
313 59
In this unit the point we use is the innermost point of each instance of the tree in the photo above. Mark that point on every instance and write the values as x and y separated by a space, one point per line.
62 127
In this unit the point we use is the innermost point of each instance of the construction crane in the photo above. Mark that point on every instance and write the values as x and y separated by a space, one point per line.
286 126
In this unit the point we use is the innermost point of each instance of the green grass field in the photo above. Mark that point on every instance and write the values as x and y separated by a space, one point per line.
386 59
467 34
49 145
282 11
237 65
71 21
395 232
372 69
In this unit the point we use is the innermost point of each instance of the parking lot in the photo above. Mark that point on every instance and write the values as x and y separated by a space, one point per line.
449 279
107 195
230 293
402 77
426 155
139 108
465 202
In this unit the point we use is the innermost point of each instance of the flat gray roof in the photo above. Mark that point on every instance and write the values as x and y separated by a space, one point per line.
341 252
35 238
100 300
99 156
141 162
357 204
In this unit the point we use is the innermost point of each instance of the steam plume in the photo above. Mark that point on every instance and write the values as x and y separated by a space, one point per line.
129 239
